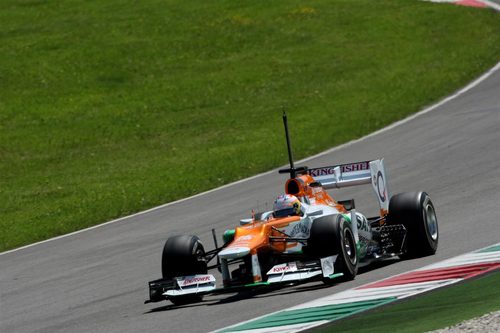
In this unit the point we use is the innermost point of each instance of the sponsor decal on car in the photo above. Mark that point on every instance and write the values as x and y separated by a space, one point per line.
327 171
380 184
301 229
195 279
283 268
362 223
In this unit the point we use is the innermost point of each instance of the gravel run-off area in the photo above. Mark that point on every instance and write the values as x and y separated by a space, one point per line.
489 323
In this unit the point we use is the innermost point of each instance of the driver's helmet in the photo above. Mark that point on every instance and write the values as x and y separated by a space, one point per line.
287 205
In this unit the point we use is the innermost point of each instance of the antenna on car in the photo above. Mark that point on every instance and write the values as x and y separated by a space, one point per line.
292 170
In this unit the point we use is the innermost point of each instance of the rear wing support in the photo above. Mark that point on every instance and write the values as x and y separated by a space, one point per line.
353 174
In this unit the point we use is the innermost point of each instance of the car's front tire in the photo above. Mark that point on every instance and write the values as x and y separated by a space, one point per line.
332 235
182 256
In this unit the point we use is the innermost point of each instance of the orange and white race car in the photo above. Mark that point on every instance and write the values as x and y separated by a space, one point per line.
308 235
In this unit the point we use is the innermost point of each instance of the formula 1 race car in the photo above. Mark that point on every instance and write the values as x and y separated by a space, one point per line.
306 236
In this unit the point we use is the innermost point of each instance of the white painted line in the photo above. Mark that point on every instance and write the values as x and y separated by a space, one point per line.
347 144
360 295
455 261
487 3
285 329
139 213
491 4
311 325
415 115
467 259
296 328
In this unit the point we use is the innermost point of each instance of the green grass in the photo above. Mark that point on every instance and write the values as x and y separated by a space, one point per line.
109 108
435 310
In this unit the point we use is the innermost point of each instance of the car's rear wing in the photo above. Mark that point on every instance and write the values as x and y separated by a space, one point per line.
352 174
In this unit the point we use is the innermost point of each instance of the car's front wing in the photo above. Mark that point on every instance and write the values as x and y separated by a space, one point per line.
203 284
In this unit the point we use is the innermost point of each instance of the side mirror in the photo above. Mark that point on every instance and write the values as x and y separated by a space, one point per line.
348 204
315 213
245 221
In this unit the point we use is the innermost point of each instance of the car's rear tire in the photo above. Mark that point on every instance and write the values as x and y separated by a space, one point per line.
182 256
416 212
332 235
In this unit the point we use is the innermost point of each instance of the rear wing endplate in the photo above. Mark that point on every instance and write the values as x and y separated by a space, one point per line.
358 173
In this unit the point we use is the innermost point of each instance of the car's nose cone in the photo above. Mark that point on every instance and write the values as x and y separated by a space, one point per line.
234 252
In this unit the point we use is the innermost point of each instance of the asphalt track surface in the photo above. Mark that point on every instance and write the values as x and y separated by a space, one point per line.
96 280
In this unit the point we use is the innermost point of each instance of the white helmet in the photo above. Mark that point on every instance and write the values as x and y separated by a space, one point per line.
287 205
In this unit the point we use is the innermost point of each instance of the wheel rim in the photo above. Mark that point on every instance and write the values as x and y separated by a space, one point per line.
431 220
349 246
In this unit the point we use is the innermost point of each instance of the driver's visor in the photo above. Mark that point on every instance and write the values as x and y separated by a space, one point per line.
285 212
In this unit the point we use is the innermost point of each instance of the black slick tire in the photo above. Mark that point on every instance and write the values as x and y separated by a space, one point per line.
416 212
182 256
332 235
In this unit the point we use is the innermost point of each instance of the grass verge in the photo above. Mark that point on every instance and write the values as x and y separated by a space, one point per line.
110 108
435 310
